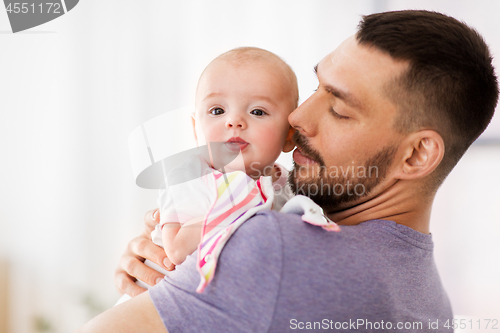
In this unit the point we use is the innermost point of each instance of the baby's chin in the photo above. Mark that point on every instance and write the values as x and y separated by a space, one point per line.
232 167
256 172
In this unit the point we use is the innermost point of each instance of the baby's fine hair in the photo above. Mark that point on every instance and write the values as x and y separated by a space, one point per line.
246 54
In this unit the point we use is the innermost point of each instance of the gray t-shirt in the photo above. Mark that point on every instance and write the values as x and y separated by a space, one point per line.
279 274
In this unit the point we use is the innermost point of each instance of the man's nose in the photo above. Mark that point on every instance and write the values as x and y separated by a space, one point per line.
304 118
236 122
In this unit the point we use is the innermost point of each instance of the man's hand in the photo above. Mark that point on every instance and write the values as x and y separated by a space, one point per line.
132 267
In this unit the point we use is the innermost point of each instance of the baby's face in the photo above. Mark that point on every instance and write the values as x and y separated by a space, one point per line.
246 106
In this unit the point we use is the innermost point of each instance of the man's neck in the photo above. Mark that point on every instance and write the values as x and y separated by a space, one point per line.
399 203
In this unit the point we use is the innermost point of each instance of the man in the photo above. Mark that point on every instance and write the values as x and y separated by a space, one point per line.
396 107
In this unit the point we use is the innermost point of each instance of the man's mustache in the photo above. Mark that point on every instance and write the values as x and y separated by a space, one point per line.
306 150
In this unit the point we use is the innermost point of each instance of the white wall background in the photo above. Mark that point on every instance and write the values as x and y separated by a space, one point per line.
73 89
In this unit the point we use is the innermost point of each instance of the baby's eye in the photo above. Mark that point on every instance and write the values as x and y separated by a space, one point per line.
217 111
258 112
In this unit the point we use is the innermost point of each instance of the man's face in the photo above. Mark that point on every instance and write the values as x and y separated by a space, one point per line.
345 136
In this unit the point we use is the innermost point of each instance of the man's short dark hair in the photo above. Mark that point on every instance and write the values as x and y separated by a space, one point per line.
450 85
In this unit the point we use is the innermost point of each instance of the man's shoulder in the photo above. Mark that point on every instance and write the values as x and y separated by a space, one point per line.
261 235
270 220
269 224
272 226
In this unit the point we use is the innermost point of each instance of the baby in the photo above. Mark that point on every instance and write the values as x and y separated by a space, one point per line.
242 104
243 100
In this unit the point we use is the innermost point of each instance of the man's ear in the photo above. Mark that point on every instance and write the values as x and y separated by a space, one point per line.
423 151
289 145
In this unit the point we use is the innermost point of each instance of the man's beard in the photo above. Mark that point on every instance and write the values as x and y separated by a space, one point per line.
336 187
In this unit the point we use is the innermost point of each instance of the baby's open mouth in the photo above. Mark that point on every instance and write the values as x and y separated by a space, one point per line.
236 144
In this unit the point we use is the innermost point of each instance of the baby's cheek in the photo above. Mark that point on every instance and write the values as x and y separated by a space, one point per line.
274 146
210 133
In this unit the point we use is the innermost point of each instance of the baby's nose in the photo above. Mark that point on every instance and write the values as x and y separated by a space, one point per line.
236 122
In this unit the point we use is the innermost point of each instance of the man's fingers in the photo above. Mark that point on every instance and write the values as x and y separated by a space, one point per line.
126 285
143 247
135 267
132 265
151 219
146 249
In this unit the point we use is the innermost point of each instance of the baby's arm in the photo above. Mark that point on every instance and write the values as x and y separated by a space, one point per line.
183 207
180 241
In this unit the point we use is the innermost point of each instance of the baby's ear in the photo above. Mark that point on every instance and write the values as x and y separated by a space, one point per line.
289 144
193 122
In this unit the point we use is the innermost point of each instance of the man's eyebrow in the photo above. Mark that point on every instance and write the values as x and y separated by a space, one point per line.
343 95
